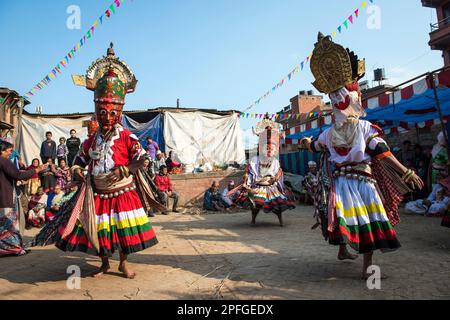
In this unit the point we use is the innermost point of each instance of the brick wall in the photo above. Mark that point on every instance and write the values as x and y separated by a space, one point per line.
192 187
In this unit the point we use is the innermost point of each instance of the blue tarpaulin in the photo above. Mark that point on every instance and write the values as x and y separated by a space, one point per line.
153 128
297 162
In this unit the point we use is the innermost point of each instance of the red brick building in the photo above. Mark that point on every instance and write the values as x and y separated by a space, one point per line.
440 31
304 102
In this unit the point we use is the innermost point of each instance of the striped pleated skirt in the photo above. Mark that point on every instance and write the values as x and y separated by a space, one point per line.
122 224
271 199
362 222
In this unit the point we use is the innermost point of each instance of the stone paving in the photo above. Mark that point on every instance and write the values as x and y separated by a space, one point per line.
220 256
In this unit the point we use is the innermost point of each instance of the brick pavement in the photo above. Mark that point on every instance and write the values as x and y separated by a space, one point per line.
197 255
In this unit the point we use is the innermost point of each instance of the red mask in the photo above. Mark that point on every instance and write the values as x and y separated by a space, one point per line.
108 115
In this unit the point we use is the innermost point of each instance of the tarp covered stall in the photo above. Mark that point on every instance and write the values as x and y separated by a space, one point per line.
153 128
200 135
34 128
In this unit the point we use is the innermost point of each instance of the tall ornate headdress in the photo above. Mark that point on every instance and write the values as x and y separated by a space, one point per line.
268 132
109 77
333 66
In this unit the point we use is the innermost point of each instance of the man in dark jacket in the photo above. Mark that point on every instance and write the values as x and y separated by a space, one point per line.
48 148
73 145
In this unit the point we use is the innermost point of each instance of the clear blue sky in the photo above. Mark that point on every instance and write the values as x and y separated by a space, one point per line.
220 54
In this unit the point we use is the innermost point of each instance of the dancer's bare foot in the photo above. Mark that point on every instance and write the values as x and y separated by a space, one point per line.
104 268
347 256
123 267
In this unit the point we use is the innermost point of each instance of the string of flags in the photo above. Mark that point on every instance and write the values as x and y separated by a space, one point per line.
299 67
286 116
62 64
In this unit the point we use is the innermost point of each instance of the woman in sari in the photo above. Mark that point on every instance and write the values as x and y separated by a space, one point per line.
35 182
62 174
10 238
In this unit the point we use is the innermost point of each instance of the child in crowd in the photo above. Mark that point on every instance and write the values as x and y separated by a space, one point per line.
62 151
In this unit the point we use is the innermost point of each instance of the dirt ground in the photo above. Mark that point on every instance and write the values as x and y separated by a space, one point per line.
220 256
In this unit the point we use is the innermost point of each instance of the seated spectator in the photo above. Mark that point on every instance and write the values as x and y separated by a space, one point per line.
36 207
213 201
159 161
173 166
62 174
229 199
55 203
435 204
165 188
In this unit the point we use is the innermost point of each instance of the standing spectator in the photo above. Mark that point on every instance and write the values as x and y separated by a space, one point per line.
159 161
36 207
439 160
148 167
152 148
48 179
61 151
418 156
407 153
10 240
62 174
73 146
48 148
212 199
164 185
35 182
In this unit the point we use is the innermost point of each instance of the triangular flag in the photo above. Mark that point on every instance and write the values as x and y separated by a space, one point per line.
364 4
107 13
95 23
302 64
89 34
340 29
101 19
334 34
346 24
350 18
357 12
112 8
117 3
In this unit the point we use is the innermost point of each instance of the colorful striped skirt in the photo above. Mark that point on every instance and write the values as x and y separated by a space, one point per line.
446 219
271 199
122 224
362 221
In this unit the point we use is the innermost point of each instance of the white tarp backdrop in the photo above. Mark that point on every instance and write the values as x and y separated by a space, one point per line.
196 135
33 133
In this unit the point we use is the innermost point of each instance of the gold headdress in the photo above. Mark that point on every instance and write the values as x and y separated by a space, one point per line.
333 66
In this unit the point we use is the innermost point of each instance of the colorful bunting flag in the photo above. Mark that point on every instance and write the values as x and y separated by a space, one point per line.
71 54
